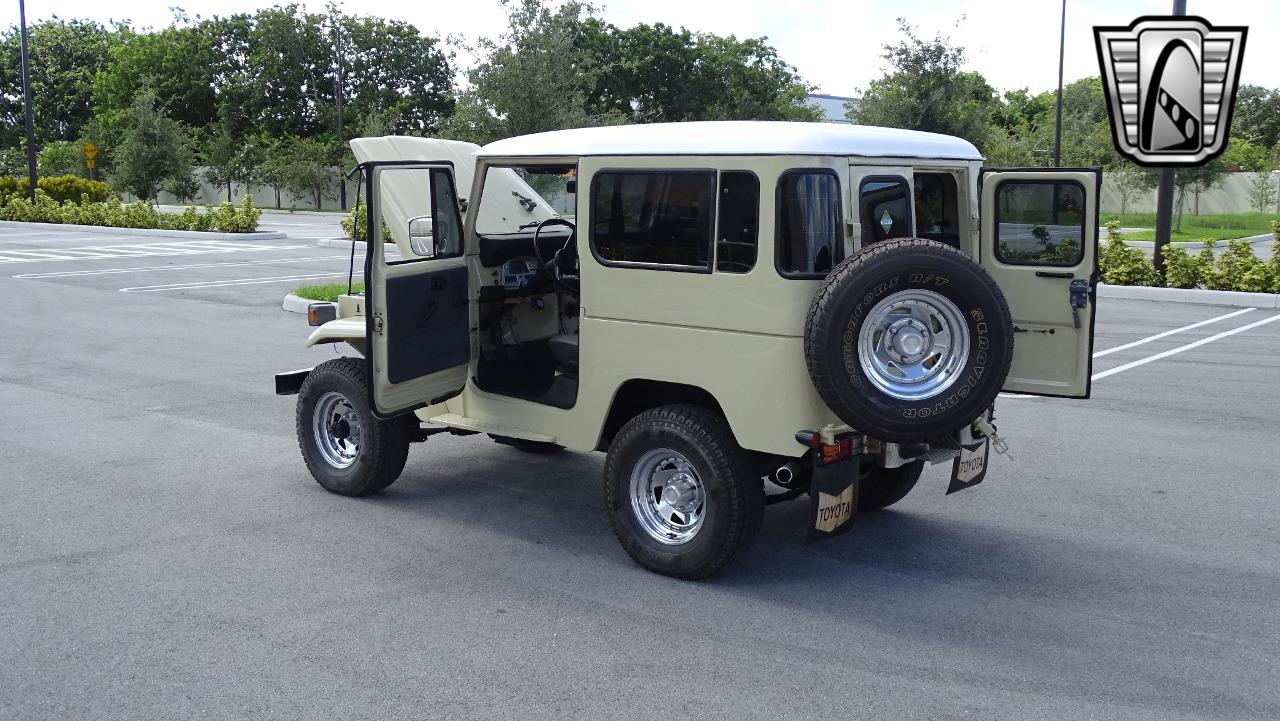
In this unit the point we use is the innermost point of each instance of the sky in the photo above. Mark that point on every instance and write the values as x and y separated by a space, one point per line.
835 44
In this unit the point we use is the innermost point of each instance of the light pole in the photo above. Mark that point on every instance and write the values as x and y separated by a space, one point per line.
1057 125
342 180
1164 191
27 102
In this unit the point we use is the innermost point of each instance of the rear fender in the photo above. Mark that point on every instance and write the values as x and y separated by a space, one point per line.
348 330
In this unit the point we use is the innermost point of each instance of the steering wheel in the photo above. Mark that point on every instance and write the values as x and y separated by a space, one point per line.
562 256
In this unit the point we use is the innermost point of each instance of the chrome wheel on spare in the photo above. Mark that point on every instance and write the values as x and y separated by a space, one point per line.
336 425
682 496
908 340
348 449
667 496
913 344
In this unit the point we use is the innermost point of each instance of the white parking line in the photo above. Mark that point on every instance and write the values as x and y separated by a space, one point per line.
1168 333
138 250
237 281
1181 348
149 268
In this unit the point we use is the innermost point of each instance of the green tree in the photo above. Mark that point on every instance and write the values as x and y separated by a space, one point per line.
1257 115
309 164
176 63
925 89
1263 192
153 149
532 78
1197 180
655 73
229 160
1244 155
274 170
1132 182
65 57
60 157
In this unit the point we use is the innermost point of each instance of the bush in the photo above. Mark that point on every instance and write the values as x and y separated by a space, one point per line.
1181 269
61 189
1125 265
227 218
356 225
326 291
1240 269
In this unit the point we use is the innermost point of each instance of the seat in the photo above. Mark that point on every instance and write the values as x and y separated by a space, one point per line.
565 349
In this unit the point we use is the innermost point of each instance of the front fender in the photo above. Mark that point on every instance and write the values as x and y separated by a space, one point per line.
349 330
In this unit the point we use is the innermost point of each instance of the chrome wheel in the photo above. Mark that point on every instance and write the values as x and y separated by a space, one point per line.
913 344
336 427
667 496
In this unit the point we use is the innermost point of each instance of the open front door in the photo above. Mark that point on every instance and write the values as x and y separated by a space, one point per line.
1040 243
417 323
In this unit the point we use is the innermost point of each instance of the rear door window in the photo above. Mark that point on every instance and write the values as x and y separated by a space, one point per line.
885 203
1039 222
809 237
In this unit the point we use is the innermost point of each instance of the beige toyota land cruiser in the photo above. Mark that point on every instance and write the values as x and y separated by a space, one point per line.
738 313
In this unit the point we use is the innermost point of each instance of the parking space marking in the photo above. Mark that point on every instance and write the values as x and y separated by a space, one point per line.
1181 348
150 268
1168 333
139 250
195 285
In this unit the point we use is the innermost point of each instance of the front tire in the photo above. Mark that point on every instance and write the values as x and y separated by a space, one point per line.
683 498
348 450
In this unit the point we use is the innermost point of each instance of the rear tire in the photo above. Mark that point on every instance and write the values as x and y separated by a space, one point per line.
882 487
347 449
683 498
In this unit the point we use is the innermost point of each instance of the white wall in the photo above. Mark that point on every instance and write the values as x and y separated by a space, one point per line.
263 196
1234 195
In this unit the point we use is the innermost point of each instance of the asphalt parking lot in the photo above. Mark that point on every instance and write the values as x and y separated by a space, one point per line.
164 553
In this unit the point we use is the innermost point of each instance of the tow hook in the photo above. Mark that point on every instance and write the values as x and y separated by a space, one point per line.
983 426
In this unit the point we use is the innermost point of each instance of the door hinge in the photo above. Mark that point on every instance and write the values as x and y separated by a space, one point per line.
377 324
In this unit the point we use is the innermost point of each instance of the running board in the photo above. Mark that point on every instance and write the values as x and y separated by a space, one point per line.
463 423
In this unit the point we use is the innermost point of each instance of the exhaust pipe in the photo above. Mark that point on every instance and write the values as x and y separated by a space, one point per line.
786 474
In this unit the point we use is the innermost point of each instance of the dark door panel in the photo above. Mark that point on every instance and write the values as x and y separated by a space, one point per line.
426 323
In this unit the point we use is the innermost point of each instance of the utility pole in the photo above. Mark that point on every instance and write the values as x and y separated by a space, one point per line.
342 179
27 102
1164 191
1057 126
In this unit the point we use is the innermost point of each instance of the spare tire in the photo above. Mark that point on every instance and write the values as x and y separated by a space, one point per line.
908 340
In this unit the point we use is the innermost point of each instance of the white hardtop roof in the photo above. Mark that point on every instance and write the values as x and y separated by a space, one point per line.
736 137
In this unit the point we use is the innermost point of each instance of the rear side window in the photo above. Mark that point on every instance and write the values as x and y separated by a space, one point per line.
739 224
809 222
660 218
886 208
1040 222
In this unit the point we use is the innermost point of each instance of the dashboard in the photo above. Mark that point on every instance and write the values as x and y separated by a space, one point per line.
516 273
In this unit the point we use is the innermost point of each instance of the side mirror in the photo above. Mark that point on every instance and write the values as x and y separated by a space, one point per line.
571 186
421 236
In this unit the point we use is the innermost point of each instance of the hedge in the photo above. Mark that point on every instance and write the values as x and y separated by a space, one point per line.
62 188
1236 269
226 218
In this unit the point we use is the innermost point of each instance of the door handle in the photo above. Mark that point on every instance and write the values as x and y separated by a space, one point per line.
1054 274
1078 297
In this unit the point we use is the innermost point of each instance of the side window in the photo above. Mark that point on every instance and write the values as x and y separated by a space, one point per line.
446 225
885 204
739 224
653 217
809 222
418 210
1039 222
936 213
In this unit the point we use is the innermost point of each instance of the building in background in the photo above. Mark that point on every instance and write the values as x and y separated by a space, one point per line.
832 106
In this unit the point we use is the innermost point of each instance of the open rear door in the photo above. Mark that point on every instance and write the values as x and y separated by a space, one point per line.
417 323
1040 243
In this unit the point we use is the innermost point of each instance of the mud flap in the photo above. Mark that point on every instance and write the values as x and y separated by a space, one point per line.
970 466
833 498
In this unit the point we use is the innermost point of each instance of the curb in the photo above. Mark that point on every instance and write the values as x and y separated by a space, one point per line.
339 243
152 232
294 304
1228 298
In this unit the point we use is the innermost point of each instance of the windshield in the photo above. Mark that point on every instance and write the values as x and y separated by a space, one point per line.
517 198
